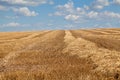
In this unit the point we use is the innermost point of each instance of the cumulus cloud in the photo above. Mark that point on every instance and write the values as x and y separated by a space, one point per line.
3 7
25 11
111 14
116 2
103 15
26 2
71 17
93 14
68 7
58 13
99 4
86 7
51 2
69 26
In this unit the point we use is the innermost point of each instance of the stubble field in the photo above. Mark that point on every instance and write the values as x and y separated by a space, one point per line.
60 55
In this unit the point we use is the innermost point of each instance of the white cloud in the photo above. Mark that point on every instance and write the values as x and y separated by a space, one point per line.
3 7
51 2
116 2
68 7
11 17
71 17
69 26
58 14
93 14
12 24
103 25
86 7
103 15
111 14
25 11
99 4
27 2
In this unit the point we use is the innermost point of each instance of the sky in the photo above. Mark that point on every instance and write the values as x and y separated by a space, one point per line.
27 15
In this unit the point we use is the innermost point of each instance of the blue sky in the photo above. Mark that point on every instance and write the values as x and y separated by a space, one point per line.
26 15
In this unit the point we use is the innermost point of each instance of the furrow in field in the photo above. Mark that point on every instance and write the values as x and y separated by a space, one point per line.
93 32
103 41
32 35
36 34
102 32
110 31
14 35
96 32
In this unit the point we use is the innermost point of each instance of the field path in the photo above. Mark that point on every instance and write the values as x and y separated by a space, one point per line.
36 34
26 37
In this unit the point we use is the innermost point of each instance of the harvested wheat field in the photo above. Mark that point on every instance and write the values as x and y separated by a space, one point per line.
60 55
